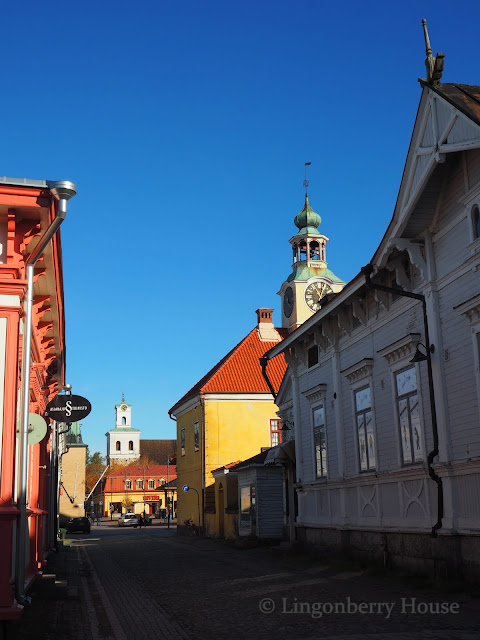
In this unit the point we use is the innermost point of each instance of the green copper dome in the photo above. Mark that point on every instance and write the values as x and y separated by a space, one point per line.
308 220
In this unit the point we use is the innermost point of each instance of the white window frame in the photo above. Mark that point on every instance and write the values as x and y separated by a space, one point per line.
419 458
398 356
360 376
317 399
471 310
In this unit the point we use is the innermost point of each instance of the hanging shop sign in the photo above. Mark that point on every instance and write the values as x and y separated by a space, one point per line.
68 408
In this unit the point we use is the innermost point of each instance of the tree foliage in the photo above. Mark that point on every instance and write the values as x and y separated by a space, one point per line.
93 470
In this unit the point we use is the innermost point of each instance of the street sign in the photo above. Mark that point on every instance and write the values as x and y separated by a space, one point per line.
100 503
185 488
65 408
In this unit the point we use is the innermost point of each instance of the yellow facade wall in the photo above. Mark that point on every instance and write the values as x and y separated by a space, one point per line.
73 480
189 467
230 430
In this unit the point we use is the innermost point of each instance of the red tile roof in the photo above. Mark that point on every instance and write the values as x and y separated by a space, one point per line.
153 470
227 466
239 371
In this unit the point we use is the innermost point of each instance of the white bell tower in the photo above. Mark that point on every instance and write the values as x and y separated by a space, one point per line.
123 442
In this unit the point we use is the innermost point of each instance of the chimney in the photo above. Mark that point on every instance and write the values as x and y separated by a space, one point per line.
265 328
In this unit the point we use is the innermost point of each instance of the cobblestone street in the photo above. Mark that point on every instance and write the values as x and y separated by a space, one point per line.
150 583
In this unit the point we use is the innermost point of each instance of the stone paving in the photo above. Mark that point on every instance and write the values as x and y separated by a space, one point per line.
121 583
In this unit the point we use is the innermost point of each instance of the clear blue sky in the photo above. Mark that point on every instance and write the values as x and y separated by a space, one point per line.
185 126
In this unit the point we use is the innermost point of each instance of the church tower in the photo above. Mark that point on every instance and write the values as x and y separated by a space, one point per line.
310 280
123 442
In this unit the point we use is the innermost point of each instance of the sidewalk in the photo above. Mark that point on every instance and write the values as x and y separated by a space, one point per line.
57 609
66 598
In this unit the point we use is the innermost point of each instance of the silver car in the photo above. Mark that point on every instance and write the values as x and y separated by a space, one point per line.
128 520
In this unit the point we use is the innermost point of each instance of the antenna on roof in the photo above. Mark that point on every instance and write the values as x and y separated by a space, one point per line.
306 182
433 64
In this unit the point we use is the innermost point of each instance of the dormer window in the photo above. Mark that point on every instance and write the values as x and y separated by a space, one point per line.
476 222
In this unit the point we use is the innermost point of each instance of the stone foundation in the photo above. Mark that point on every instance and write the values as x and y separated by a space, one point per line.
449 557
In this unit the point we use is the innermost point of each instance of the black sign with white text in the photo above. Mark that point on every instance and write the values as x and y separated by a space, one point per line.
68 408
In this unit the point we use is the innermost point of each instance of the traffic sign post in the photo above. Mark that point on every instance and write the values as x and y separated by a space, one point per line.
187 488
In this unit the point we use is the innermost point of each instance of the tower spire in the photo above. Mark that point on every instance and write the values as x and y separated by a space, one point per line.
433 64
306 182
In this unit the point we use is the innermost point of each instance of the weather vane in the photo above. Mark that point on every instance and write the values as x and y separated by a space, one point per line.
306 182
433 64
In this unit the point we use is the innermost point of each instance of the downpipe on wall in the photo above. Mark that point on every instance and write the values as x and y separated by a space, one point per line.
62 191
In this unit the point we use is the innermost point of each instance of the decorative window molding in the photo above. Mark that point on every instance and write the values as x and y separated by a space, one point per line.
319 440
364 425
409 415
359 371
470 309
401 349
315 394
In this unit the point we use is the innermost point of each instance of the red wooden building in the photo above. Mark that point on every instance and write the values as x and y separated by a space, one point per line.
137 488
31 316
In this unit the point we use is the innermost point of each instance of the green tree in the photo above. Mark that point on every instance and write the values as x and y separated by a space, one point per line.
94 468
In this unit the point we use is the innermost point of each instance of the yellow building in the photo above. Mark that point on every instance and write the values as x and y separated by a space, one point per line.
228 415
72 478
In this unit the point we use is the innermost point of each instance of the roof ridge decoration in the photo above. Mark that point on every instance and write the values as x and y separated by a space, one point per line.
433 64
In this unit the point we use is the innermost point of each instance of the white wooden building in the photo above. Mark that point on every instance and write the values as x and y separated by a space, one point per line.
378 476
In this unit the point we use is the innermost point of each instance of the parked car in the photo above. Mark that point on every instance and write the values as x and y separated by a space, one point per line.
128 520
78 524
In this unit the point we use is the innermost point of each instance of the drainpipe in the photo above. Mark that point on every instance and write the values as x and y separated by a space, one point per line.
263 364
62 191
367 272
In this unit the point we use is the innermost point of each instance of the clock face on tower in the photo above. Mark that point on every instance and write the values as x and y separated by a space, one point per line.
124 407
288 302
314 293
